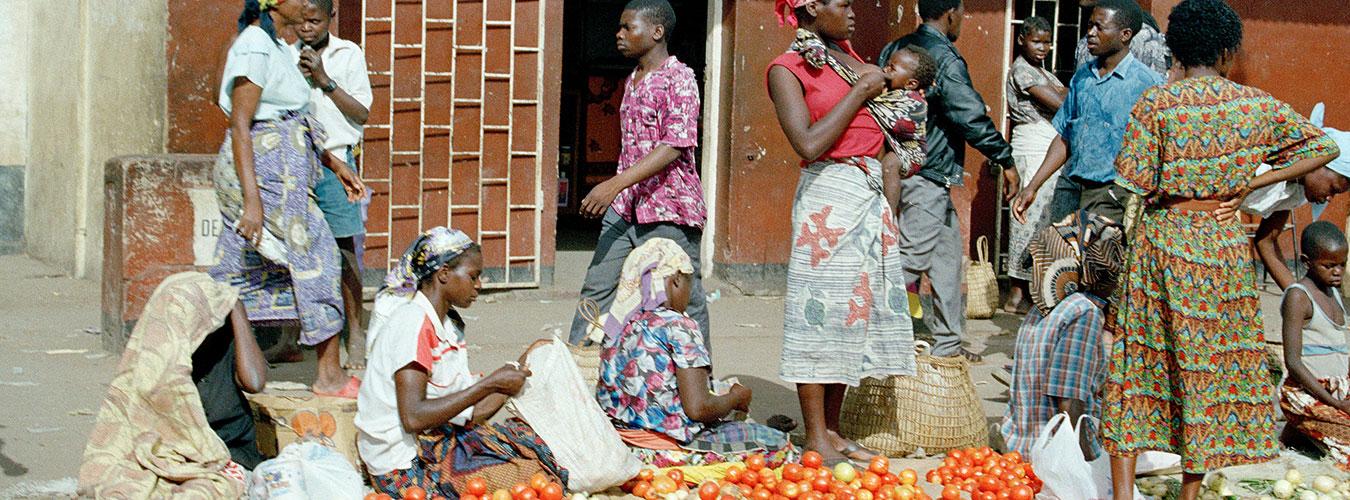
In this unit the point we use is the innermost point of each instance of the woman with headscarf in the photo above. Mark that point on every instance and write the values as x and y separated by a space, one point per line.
279 251
655 372
846 312
154 435
421 415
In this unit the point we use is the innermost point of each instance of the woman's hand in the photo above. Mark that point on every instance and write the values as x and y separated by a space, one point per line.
1228 210
249 226
507 380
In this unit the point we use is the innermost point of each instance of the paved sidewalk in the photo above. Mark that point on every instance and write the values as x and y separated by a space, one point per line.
53 373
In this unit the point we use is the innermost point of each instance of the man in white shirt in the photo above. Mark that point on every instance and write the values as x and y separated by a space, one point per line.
341 97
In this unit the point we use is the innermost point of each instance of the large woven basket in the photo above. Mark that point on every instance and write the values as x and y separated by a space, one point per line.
935 410
981 283
588 361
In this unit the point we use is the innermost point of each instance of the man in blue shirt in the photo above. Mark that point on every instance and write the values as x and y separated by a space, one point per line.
1091 123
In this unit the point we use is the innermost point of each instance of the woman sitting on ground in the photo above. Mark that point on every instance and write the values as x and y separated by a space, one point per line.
421 415
655 373
174 416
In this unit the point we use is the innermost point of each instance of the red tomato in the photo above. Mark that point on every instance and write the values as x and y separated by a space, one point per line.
812 460
677 475
769 483
518 491
1013 457
933 476
988 483
750 479
1004 494
383 496
414 493
733 474
646 475
641 489
663 485
709 491
821 484
746 491
951 492
879 465
871 481
762 494
1023 493
538 482
371 496
995 471
889 478
754 462
985 495
909 477
789 489
530 495
961 472
553 491
476 486
957 454
792 472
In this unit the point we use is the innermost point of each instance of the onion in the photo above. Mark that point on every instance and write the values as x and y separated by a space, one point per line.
1283 489
1307 495
1324 484
1294 476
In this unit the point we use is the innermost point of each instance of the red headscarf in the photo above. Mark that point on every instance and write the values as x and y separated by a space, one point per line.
785 10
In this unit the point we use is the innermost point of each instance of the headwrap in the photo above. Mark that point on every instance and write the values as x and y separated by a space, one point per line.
1083 253
642 286
785 10
431 250
267 4
1341 164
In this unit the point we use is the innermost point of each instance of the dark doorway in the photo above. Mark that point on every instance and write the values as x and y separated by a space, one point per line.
593 75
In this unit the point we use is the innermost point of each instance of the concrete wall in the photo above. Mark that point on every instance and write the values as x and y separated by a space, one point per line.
96 90
13 122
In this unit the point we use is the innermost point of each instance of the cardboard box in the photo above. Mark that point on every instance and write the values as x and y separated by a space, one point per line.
274 411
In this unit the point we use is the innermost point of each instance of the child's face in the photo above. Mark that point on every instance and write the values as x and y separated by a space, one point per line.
1321 184
677 291
1035 46
463 281
315 24
1326 265
899 71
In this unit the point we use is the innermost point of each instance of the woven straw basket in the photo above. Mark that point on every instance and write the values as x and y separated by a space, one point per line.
981 284
588 357
936 410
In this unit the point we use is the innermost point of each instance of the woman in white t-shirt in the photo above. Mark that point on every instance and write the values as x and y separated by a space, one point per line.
421 415
279 251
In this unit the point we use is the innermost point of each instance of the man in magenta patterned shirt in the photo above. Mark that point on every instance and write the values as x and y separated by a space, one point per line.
657 192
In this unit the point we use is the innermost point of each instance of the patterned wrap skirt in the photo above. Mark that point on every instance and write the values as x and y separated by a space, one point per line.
1328 427
846 312
449 456
299 278
1030 142
1187 370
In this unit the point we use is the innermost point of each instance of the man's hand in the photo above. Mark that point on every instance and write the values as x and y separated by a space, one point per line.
600 197
356 189
1012 183
311 65
1022 202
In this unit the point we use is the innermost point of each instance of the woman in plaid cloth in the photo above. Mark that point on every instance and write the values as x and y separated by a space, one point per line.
655 373
421 415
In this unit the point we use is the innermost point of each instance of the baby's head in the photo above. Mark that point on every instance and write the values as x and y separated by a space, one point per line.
1323 252
1035 39
910 68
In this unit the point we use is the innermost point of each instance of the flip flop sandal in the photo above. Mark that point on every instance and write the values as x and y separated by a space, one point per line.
348 391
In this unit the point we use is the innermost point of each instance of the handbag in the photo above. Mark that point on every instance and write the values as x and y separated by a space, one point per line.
981 284
935 410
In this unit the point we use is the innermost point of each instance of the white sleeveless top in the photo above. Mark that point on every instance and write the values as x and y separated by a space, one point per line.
1326 345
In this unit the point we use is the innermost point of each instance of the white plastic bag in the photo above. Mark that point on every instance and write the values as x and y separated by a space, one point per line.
563 412
305 470
1061 466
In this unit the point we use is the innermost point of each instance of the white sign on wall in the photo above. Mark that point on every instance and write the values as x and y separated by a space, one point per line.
206 226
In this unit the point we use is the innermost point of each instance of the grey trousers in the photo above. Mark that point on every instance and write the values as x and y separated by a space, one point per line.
930 243
618 238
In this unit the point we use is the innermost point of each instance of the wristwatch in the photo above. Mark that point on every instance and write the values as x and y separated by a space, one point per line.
332 85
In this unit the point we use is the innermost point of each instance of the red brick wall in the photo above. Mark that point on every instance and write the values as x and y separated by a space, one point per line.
199 34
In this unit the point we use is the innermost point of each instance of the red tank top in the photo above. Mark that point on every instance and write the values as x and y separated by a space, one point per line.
823 88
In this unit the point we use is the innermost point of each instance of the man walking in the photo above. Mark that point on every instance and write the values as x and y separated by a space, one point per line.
930 235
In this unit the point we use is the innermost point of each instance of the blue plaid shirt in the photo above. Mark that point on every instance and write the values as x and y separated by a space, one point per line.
1093 117
1060 355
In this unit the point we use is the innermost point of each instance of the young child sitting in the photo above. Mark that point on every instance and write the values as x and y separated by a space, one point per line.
655 376
420 413
909 70
1315 395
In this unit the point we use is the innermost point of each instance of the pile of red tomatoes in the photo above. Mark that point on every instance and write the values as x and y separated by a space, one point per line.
806 480
985 475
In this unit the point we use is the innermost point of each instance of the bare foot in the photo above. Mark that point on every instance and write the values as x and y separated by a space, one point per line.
850 449
827 451
330 384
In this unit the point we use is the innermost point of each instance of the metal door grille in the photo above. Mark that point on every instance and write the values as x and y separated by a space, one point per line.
455 130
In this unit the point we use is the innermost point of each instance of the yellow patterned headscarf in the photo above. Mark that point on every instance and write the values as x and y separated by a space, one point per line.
642 286
267 4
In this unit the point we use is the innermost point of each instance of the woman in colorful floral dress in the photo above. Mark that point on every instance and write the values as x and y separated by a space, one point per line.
1187 369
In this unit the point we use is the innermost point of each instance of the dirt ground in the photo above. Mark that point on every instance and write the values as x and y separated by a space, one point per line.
54 373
